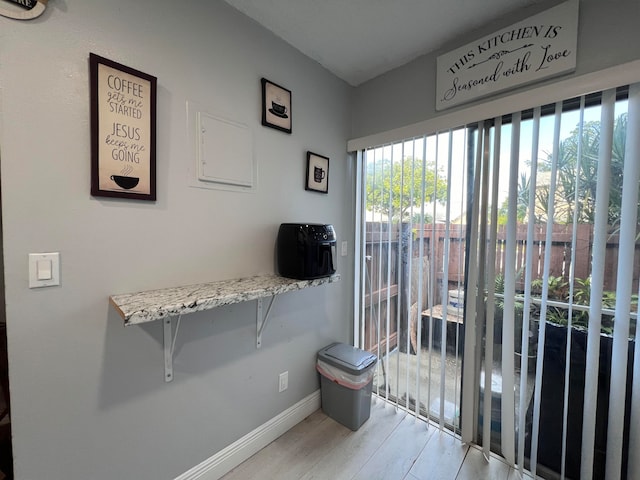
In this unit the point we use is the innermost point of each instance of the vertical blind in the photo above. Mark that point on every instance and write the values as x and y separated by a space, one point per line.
564 189
531 220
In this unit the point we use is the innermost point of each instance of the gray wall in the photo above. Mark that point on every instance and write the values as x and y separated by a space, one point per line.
608 35
88 395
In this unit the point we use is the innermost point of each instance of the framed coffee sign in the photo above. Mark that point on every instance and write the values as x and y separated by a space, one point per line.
123 131
276 106
317 173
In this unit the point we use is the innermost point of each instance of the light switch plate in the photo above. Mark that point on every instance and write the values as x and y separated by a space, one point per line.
344 250
44 260
44 270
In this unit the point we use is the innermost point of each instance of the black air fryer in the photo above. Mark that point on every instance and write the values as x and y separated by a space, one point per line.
306 250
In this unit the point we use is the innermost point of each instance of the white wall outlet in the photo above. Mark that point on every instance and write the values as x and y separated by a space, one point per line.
283 381
343 250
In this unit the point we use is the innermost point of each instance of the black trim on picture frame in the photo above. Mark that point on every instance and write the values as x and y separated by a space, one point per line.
123 146
276 106
317 178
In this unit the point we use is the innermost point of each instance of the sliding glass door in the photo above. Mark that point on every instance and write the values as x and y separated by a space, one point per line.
500 280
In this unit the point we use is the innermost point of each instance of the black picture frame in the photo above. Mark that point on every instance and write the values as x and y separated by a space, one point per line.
123 131
276 106
317 178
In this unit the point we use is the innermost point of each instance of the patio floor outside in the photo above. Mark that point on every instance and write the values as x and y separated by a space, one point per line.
421 377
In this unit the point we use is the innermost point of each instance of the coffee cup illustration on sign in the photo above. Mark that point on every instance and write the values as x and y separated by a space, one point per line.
278 108
125 182
318 174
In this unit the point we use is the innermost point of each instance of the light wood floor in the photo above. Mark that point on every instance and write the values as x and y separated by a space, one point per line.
390 445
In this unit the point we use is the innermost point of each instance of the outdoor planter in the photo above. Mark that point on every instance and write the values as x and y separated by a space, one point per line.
552 401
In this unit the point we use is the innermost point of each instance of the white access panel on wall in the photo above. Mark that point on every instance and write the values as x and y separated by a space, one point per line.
225 152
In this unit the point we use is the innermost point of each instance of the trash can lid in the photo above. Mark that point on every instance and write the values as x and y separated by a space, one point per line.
350 359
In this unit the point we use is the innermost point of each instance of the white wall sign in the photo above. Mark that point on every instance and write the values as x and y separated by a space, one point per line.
541 46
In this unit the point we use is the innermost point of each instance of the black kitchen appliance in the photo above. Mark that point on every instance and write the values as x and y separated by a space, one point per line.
306 250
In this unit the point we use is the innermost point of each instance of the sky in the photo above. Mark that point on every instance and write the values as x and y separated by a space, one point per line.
451 146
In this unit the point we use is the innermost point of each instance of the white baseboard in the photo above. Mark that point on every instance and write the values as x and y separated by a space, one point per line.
230 457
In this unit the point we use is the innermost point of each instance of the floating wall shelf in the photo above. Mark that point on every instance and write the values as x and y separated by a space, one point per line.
165 303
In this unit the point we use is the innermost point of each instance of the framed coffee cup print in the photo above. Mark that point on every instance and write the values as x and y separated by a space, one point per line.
317 173
276 106
123 131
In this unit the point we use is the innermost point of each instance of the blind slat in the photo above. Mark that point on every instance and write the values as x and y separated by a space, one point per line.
445 285
524 348
399 280
628 226
600 233
423 186
469 379
508 319
491 290
545 288
572 263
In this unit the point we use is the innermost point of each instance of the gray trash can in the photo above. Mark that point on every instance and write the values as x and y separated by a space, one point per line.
346 375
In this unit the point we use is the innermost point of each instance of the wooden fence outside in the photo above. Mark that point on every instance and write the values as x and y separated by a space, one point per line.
384 263
381 286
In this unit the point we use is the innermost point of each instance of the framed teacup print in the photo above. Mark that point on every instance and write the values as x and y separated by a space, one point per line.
276 106
317 173
123 131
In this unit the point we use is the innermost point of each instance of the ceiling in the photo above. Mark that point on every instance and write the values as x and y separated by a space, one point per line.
358 40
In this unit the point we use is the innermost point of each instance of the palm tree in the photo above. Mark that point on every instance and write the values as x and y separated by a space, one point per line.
581 172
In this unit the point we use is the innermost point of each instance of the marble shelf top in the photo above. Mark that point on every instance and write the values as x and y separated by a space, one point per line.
142 307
